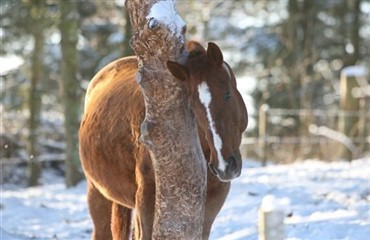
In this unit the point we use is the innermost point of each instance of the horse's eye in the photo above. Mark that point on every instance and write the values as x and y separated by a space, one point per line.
227 95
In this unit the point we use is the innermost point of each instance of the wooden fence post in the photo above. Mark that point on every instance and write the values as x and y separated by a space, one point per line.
262 124
349 123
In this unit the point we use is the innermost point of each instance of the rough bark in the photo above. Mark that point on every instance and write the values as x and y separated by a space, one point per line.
71 89
169 129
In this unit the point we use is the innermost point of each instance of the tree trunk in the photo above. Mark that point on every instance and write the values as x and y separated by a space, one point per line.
307 26
127 50
350 29
292 44
71 89
169 129
355 31
33 146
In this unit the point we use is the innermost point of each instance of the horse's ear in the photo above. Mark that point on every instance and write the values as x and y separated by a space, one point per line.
214 54
178 71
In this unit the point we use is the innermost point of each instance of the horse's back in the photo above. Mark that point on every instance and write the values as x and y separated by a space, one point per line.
109 131
120 69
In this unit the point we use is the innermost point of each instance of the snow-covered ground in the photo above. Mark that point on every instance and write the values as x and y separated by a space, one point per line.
327 201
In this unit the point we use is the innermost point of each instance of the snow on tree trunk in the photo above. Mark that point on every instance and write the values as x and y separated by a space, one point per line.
169 129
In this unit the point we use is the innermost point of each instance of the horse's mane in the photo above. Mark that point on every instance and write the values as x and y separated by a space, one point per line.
197 60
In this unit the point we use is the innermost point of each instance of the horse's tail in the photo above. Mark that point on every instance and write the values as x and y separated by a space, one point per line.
121 222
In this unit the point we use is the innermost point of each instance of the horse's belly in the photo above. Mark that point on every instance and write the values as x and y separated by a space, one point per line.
115 179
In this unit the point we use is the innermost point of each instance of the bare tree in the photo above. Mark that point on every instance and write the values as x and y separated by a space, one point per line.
169 129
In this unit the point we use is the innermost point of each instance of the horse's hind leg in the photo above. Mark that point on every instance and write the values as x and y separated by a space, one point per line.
100 210
121 222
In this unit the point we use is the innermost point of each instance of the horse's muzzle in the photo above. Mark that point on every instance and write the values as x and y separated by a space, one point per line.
232 170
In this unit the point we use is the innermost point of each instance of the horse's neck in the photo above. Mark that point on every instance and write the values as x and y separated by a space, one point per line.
204 144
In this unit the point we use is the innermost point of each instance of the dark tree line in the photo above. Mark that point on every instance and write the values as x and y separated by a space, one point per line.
55 74
315 41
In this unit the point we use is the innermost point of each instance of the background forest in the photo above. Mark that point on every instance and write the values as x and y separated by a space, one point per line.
287 54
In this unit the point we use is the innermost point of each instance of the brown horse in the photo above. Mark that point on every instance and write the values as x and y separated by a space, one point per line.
118 167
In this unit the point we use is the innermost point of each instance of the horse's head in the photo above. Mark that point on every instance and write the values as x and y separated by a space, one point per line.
218 106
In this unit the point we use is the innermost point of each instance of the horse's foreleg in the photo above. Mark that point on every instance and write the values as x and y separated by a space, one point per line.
121 222
216 195
100 210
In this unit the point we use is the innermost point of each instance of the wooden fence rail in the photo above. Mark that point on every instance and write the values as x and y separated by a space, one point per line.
347 125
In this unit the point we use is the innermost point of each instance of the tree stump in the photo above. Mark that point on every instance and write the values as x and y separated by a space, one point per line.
169 130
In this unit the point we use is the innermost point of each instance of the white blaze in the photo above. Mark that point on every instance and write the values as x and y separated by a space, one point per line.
205 98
